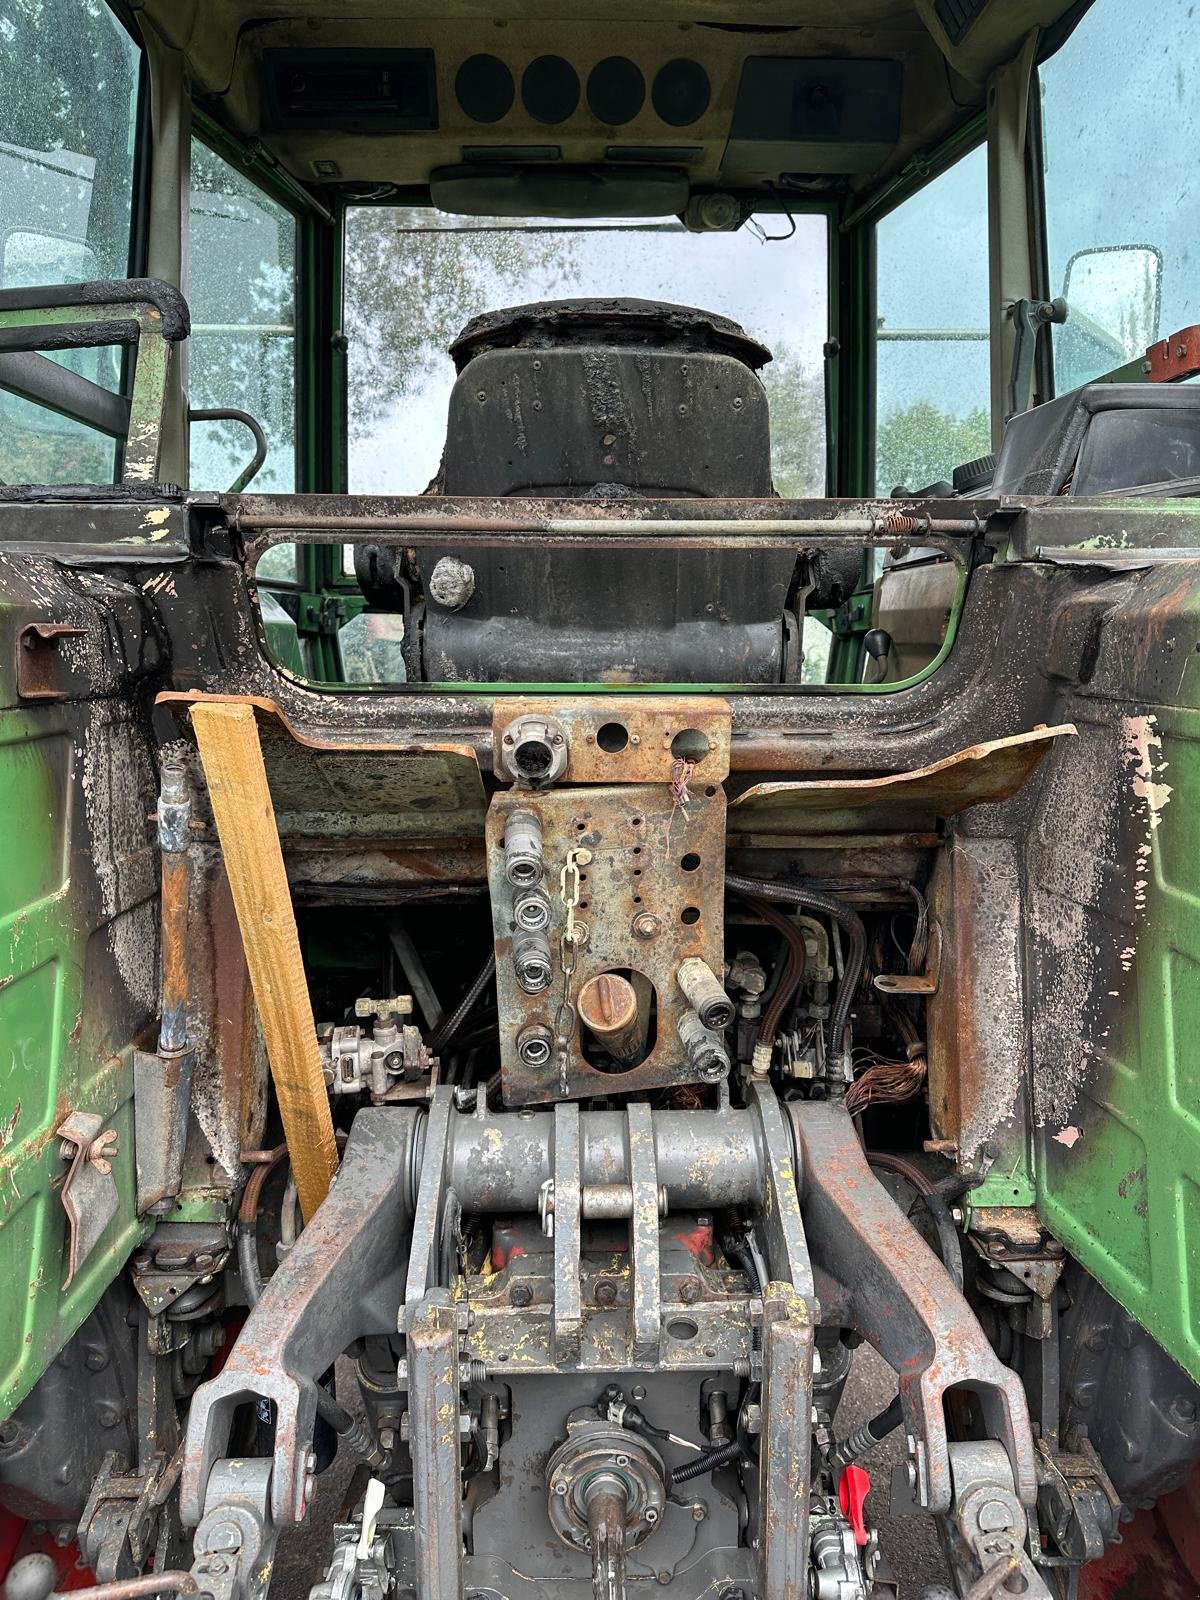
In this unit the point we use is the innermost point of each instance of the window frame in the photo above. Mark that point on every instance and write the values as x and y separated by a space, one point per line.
139 199
314 355
833 347
862 222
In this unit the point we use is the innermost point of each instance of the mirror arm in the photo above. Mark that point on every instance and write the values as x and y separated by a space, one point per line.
232 414
1030 316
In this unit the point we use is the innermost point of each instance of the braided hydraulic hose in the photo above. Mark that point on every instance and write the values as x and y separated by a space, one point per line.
843 915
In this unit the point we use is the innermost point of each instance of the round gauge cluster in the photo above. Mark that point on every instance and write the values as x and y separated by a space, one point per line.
551 91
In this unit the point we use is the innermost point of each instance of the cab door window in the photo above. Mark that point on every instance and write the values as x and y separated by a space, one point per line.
68 127
932 376
1120 127
241 287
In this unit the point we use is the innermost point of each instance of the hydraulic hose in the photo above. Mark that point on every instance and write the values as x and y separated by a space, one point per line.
864 1439
458 1016
843 915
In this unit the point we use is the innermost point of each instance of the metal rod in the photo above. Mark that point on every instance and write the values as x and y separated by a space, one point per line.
131 1588
415 973
174 815
607 1509
500 1162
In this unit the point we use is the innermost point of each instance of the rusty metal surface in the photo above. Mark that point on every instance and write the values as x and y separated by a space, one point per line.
39 664
356 787
876 1274
1174 358
785 1446
651 858
975 1021
982 774
432 1333
643 728
341 1281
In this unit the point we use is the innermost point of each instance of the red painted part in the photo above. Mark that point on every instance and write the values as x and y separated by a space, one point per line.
698 1242
853 1488
19 1538
1180 1516
1144 1566
1174 358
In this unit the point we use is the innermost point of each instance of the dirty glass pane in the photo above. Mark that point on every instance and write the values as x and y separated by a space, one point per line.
933 384
413 278
1120 128
68 118
279 564
242 291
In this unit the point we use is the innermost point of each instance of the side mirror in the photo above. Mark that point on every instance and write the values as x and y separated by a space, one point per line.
1114 296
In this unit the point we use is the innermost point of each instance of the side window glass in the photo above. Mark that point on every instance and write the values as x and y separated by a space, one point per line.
241 287
1120 126
66 204
933 385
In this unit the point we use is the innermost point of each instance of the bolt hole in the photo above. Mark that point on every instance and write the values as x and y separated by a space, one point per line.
711 790
636 821
682 1328
689 916
689 744
690 862
637 899
612 737
637 849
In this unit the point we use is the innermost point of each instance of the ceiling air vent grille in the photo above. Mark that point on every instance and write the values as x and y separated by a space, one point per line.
958 17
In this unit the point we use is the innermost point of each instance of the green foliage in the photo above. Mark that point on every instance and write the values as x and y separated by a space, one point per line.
410 289
920 445
795 393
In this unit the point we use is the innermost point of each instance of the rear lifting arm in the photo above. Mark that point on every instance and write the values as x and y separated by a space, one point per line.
343 1280
874 1273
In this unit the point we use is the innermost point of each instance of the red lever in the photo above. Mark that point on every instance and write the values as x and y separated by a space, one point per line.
853 1489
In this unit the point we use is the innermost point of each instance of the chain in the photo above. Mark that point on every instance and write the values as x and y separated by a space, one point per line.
569 941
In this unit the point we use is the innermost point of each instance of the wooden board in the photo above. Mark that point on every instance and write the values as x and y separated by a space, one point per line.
227 736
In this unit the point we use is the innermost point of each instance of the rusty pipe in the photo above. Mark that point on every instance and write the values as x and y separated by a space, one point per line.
174 816
131 1588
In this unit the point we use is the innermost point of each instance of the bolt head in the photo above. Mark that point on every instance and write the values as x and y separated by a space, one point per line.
995 1516
520 1294
646 925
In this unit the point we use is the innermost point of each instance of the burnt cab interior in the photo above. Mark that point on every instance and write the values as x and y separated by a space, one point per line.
753 200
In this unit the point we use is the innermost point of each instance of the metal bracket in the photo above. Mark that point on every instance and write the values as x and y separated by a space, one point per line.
1029 316
916 983
39 662
89 1190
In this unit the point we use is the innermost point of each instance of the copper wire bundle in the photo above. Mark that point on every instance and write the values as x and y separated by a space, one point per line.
887 1082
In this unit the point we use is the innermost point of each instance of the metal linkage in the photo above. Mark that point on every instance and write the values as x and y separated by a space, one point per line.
341 1281
874 1273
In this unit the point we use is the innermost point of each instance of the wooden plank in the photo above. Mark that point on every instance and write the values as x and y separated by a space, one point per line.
227 735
